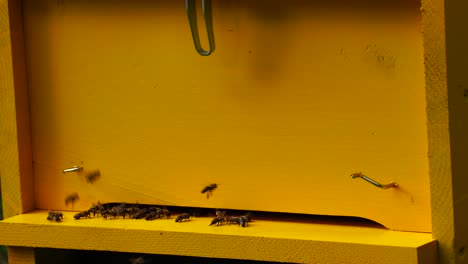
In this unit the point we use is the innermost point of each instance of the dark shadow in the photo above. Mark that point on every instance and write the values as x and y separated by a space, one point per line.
59 256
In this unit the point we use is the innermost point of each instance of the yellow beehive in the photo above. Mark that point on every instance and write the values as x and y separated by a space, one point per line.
298 96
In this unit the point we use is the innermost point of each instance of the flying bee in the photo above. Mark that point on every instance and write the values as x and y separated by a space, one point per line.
181 217
82 214
209 189
72 198
92 176
55 216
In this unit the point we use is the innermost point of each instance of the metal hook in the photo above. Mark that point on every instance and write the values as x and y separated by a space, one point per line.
383 186
192 17
73 169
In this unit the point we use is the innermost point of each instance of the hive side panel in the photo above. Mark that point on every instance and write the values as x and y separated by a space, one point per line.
15 152
445 38
456 20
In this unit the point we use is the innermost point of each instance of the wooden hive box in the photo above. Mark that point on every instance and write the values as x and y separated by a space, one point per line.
298 96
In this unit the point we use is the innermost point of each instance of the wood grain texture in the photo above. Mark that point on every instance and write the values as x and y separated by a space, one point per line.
15 152
446 56
457 81
438 128
268 118
21 255
262 240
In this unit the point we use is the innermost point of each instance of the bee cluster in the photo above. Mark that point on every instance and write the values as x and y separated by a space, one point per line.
222 218
137 211
125 211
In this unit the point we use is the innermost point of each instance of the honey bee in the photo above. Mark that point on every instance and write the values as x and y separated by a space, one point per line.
181 217
243 221
82 214
96 209
131 211
93 176
166 213
72 198
220 213
217 220
234 220
209 189
55 216
105 214
248 217
152 216
138 260
118 210
140 213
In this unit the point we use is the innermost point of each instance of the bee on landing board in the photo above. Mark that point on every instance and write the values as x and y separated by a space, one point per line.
55 216
233 220
82 215
217 220
184 216
96 209
244 220
209 189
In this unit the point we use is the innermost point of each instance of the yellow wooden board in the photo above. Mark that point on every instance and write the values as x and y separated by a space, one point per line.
262 240
297 96
15 138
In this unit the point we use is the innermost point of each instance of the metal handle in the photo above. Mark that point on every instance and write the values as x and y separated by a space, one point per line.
383 186
73 169
192 17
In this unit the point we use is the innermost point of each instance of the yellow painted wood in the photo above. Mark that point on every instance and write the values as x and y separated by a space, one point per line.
445 212
457 80
297 96
15 151
438 128
446 87
262 240
21 255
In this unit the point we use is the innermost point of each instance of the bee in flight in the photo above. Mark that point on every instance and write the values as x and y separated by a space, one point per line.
93 176
209 189
72 198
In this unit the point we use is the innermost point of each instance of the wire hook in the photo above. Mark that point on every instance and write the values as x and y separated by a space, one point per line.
383 186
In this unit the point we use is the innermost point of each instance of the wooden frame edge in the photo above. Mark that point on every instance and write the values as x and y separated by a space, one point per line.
15 142
445 56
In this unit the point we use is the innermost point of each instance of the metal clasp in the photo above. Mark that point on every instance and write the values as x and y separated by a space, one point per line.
192 17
